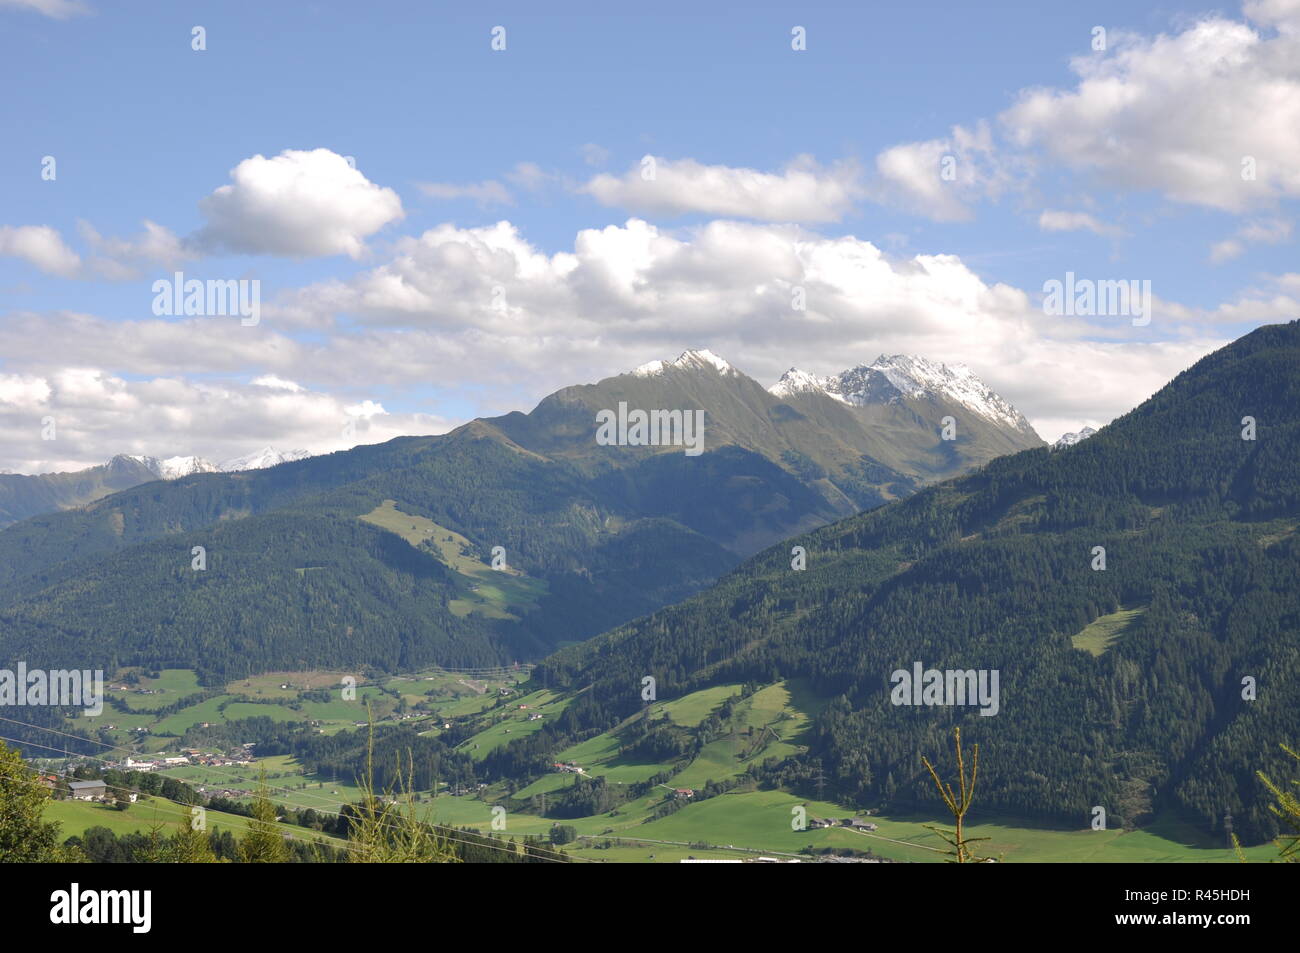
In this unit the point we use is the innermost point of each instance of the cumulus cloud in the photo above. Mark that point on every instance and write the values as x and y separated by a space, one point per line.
941 178
299 204
123 258
803 192
1209 116
519 321
485 315
117 259
277 383
1282 14
98 413
41 246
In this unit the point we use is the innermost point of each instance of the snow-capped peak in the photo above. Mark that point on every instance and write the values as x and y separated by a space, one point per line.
171 468
896 376
795 381
689 360
174 467
1070 439
260 459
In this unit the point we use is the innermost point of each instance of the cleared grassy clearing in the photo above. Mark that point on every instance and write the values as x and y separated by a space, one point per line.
1096 637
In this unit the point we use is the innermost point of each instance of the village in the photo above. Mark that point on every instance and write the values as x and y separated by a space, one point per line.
92 789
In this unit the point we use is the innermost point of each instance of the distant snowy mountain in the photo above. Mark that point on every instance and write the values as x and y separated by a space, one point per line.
892 378
261 459
1070 439
689 360
172 467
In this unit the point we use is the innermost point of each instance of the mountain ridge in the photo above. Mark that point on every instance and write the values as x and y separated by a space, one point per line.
600 533
1194 524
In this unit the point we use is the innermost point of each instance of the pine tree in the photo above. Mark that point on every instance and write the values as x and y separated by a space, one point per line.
191 846
1287 810
263 844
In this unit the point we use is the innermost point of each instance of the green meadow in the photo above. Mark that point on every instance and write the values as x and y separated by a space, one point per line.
495 594
172 685
772 722
75 817
1096 637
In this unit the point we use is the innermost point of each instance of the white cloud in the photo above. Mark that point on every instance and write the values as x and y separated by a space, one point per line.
486 193
803 192
277 383
1053 220
1282 14
525 175
1226 250
98 413
1181 113
299 204
122 258
1264 231
57 9
431 316
117 259
42 246
941 178
631 293
593 154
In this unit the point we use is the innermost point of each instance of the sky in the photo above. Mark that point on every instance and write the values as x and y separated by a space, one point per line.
452 212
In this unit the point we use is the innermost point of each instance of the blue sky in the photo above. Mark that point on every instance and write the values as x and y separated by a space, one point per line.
1120 163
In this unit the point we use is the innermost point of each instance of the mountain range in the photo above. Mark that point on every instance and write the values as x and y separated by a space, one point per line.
23 495
173 467
1070 439
1135 593
380 555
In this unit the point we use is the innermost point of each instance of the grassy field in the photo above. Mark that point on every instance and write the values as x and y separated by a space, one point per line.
75 817
600 756
510 721
761 821
690 710
289 785
171 685
185 719
496 594
1096 637
267 685
772 722
249 698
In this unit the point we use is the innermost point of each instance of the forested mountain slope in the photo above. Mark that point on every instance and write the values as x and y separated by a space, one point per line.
379 555
995 571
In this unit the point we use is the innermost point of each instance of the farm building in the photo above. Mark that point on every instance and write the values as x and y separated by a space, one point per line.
87 790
